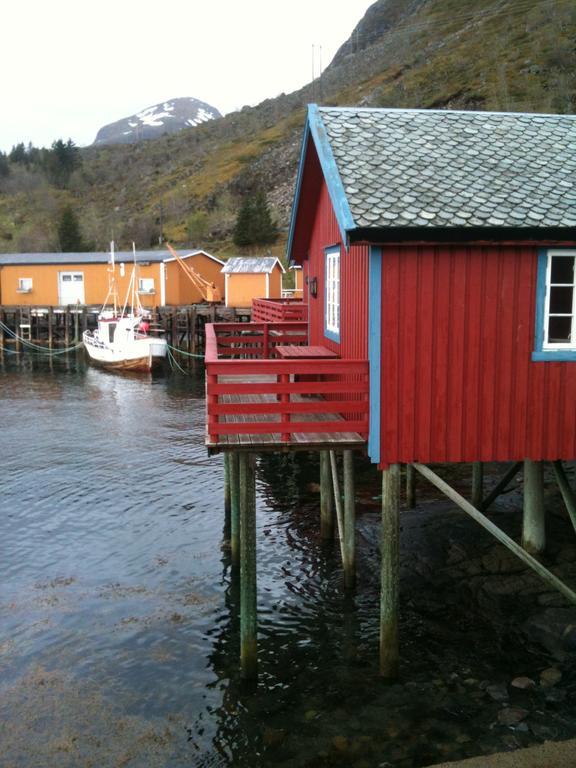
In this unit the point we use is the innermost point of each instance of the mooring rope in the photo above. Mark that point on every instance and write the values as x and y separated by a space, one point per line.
174 363
186 354
35 347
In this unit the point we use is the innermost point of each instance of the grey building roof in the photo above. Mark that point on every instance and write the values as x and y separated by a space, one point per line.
100 257
251 265
441 169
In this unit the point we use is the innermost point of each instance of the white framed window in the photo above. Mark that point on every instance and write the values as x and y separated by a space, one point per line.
332 293
146 285
556 305
24 285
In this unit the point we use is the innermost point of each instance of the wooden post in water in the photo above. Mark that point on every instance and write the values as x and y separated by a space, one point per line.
234 469
390 573
76 326
349 520
67 327
50 328
17 324
227 484
2 337
533 520
326 499
248 597
194 329
410 486
477 484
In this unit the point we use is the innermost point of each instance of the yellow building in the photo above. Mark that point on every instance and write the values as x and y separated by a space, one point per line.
57 279
250 278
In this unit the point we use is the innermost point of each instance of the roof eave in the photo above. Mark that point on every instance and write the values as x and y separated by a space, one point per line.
382 235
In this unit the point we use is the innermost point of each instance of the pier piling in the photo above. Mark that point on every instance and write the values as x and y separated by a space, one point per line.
326 499
248 594
390 573
234 470
533 520
349 520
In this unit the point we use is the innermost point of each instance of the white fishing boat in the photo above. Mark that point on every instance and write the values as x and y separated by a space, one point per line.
123 340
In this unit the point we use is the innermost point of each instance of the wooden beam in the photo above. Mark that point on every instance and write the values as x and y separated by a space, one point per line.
326 503
501 485
390 573
227 484
534 519
349 520
248 590
338 504
503 538
566 491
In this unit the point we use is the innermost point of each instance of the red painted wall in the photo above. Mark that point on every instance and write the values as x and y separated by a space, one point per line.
353 285
458 383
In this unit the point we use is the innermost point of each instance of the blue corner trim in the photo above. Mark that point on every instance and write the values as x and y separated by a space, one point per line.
375 350
331 173
332 335
540 354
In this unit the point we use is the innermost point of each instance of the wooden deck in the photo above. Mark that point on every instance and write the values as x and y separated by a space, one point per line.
257 401
299 441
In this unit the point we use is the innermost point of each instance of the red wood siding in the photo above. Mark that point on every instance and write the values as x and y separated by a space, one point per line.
353 285
458 383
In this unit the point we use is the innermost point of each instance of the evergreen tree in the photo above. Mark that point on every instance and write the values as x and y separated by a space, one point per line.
4 166
243 230
69 234
18 154
254 225
61 161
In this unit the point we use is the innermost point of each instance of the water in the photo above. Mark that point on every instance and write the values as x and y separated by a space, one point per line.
119 622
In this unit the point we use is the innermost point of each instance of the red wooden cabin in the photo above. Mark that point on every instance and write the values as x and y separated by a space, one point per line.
442 247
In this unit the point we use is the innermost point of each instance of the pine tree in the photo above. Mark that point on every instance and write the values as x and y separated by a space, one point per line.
4 166
61 162
243 229
69 234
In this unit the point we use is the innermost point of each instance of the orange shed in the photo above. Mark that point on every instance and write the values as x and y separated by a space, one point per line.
250 278
53 279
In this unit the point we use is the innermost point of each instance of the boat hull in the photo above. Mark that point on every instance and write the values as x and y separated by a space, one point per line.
139 355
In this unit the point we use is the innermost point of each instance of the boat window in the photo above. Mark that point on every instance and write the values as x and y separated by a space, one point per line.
111 329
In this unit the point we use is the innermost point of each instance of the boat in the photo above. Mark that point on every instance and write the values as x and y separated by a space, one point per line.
124 339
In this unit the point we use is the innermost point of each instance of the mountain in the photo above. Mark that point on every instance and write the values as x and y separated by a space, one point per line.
497 55
167 117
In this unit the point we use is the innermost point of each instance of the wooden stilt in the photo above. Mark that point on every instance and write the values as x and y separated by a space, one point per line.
410 486
227 484
533 521
76 326
248 601
326 503
390 573
234 469
349 520
477 483
338 505
18 322
50 328
566 491
454 496
500 487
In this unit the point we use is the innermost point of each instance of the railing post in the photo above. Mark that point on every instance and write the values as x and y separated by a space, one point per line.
212 400
284 378
265 351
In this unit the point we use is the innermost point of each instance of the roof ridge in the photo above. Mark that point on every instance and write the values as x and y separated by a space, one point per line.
446 112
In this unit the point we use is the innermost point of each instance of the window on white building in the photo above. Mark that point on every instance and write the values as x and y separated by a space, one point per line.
146 285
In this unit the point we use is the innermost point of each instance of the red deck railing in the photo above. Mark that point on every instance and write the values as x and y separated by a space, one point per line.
254 397
279 310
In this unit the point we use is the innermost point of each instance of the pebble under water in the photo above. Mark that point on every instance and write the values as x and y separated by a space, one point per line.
119 629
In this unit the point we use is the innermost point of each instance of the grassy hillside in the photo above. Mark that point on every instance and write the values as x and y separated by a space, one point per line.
513 55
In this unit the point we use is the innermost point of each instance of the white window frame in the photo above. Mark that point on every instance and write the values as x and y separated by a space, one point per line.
25 285
146 285
568 345
332 293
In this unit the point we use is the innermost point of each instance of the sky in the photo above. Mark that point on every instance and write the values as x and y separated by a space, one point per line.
69 66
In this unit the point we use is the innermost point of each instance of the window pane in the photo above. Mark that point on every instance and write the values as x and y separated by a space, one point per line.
562 269
559 330
561 301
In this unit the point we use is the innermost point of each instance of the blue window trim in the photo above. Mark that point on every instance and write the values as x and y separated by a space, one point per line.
375 350
332 335
540 354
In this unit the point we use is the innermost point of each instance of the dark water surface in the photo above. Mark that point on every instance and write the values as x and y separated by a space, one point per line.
118 625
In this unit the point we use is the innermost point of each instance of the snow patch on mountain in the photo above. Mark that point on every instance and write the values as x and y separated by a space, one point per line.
167 117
